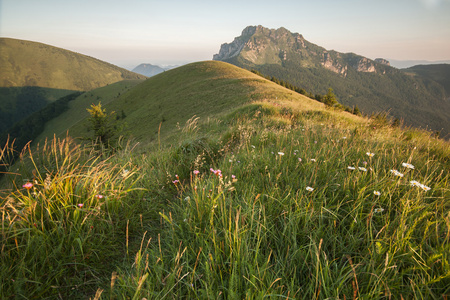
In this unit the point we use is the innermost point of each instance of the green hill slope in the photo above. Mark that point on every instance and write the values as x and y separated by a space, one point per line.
439 73
371 85
268 194
16 103
26 63
204 89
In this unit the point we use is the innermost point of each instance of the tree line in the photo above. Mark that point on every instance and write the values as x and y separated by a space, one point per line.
329 99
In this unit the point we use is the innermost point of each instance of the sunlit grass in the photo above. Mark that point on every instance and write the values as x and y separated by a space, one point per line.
305 206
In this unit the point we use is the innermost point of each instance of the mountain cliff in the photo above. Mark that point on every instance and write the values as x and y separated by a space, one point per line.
372 85
260 45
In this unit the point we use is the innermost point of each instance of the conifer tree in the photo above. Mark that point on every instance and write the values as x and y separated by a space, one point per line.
102 125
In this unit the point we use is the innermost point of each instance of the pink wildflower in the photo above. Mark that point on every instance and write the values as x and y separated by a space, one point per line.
27 185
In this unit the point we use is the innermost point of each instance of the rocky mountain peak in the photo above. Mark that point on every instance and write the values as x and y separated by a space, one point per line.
260 45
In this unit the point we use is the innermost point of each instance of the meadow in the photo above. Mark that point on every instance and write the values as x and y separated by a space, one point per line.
273 199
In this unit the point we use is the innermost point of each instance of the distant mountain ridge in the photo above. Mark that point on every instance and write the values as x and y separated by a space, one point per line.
437 72
373 85
148 70
403 64
26 63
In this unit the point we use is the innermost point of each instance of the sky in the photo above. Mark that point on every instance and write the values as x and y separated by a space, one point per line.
174 32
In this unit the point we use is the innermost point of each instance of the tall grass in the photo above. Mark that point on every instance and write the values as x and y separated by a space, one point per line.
267 202
63 222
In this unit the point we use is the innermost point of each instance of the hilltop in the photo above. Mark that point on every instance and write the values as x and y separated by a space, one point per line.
26 63
372 85
204 89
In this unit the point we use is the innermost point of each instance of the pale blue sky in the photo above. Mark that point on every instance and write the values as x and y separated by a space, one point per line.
127 33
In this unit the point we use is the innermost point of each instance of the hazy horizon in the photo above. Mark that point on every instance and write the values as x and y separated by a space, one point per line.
178 32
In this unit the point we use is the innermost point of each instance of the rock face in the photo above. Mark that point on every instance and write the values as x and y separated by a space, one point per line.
259 45
333 65
382 61
232 49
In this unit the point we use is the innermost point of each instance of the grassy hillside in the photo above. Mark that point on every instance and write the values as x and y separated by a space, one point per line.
74 119
16 103
269 195
205 89
26 63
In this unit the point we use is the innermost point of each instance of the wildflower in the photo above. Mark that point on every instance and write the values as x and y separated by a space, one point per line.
176 181
397 173
378 210
253 147
376 193
187 198
233 176
308 188
212 170
99 196
313 159
80 205
27 185
196 172
299 159
365 163
418 184
315 142
406 165
415 183
125 173
370 154
281 153
424 187
362 169
351 168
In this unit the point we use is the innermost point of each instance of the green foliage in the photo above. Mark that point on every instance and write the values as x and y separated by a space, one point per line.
330 98
439 73
66 225
103 125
